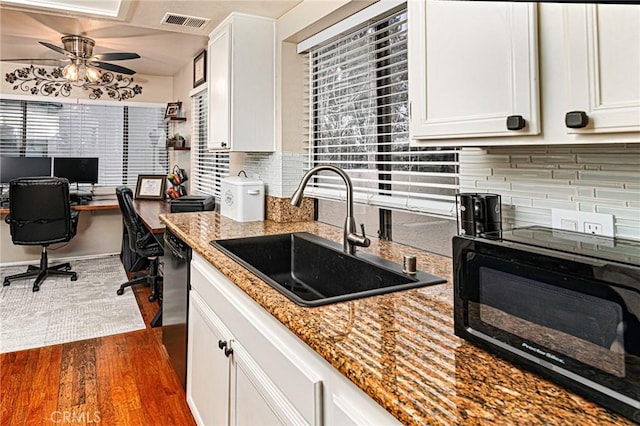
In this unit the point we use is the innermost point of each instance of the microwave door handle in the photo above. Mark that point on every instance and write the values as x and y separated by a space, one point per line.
478 215
478 208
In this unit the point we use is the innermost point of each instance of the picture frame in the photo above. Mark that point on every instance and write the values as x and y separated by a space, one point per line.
173 109
200 68
151 187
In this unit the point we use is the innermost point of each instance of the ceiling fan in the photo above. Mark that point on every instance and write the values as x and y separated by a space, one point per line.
79 51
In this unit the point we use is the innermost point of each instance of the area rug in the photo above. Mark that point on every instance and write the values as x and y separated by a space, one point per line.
64 310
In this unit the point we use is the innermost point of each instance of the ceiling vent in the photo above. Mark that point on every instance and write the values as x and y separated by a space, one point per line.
184 20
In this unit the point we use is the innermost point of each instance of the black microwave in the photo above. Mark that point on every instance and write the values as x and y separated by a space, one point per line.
563 304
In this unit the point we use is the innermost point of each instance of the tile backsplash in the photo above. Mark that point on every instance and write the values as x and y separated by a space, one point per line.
280 171
532 180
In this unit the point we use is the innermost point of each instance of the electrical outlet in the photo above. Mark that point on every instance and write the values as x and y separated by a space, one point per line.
593 228
587 222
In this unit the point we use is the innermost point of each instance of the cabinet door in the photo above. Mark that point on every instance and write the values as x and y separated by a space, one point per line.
207 366
472 65
603 66
255 398
219 57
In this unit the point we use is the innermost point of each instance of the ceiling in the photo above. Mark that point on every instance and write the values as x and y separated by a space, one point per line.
163 48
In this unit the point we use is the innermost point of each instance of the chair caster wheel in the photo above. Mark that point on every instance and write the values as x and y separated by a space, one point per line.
74 277
152 298
36 288
6 283
120 291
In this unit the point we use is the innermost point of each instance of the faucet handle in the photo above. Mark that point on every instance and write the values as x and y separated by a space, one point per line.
364 241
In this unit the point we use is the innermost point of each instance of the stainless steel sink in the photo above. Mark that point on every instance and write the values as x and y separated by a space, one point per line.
313 271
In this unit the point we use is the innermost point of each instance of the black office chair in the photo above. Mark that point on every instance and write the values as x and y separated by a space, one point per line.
142 243
40 214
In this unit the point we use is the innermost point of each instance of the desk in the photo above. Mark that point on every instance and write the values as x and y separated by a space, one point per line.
99 230
148 210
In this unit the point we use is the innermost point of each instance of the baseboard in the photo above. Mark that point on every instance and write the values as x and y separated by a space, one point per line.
57 260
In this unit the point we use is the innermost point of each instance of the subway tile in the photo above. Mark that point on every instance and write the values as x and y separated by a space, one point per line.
545 188
571 166
609 158
612 203
609 176
553 159
613 194
523 174
466 183
521 166
520 159
586 191
592 183
554 204
620 167
469 169
620 213
627 232
493 186
564 174
521 201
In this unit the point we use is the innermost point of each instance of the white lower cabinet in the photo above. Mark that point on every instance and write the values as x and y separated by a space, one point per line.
245 368
208 388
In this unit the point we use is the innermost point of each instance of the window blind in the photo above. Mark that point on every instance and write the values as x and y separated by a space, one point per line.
128 140
359 121
208 167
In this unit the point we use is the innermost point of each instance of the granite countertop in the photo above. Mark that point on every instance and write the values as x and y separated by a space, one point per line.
399 348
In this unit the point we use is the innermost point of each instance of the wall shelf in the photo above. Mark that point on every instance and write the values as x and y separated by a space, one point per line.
174 119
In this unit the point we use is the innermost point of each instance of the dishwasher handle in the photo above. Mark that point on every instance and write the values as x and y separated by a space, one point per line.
175 250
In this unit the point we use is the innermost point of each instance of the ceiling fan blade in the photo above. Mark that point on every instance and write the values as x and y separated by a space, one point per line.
58 49
111 67
115 56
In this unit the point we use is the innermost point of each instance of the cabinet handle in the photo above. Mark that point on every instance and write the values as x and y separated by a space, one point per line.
516 122
223 144
576 119
222 344
228 351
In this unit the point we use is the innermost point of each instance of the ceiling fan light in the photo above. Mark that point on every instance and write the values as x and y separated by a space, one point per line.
92 74
70 72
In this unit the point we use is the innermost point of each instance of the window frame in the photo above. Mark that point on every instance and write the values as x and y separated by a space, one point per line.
384 144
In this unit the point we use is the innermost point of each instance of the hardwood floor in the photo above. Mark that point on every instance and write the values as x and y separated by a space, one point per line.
125 379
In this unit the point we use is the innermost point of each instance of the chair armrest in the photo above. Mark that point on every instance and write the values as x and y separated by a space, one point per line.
75 214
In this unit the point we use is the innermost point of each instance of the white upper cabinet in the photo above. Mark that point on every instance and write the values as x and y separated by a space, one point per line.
242 84
473 70
602 53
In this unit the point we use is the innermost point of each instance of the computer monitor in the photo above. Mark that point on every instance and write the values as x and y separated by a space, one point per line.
76 169
17 167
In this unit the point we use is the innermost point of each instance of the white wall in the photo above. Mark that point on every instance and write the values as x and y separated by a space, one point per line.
99 232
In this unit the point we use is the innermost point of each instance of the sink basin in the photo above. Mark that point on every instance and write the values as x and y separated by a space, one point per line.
313 271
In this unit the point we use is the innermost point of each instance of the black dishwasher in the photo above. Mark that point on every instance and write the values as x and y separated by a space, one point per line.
175 301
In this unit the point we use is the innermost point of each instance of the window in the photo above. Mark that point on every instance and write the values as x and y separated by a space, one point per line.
360 122
208 166
128 140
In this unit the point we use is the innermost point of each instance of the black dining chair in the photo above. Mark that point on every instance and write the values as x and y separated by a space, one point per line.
40 214
141 243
